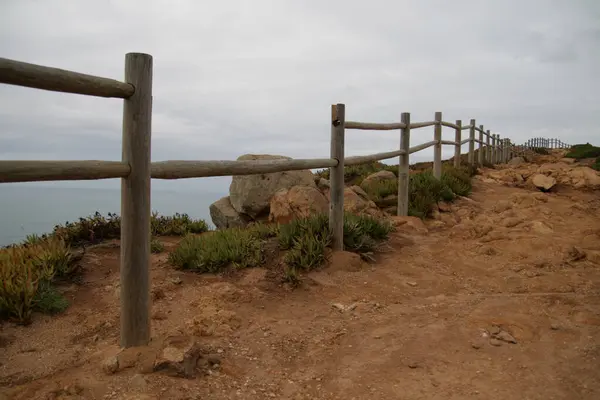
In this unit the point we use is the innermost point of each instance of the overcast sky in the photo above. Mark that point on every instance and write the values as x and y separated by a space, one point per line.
259 76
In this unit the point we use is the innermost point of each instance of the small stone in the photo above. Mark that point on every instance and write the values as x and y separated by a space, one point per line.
411 283
110 365
413 365
495 342
506 337
176 280
554 326
476 346
495 330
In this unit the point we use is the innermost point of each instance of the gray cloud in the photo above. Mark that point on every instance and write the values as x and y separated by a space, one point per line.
239 77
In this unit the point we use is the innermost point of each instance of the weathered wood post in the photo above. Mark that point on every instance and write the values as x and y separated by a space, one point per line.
336 176
472 143
457 146
403 172
480 156
135 203
488 148
437 147
498 149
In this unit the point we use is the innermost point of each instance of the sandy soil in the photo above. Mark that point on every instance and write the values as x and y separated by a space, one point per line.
497 298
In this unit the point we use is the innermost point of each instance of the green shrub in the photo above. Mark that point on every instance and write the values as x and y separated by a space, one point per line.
540 150
580 151
380 189
156 246
26 274
354 174
458 179
424 190
214 251
176 225
316 225
97 228
304 239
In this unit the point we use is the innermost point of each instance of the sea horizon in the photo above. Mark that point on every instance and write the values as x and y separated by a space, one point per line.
27 210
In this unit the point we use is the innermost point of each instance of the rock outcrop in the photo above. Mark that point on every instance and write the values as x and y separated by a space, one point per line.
297 202
545 173
251 194
543 182
224 216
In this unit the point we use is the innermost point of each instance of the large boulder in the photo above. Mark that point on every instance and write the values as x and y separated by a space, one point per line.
251 194
377 177
583 178
297 202
224 216
516 161
357 204
543 182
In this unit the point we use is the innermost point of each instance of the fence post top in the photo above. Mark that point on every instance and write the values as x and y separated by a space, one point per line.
438 115
136 54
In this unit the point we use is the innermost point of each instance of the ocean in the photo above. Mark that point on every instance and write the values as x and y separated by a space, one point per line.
26 209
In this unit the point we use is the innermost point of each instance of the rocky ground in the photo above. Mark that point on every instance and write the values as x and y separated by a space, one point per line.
498 297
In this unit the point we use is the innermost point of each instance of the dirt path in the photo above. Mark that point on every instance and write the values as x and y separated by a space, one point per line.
432 319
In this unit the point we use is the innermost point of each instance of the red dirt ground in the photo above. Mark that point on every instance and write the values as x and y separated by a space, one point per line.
433 318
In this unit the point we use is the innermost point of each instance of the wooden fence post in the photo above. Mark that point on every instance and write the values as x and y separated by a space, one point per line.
472 143
135 203
403 172
336 176
494 144
498 149
457 146
480 155
437 147
488 148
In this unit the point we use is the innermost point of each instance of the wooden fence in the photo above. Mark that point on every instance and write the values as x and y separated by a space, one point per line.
136 169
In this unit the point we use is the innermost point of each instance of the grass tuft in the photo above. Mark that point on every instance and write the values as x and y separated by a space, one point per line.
305 241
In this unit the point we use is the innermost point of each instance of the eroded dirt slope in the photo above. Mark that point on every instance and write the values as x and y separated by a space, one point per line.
497 298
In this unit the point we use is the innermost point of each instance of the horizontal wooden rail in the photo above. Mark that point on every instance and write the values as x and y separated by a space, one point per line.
464 141
59 80
39 171
175 169
421 146
450 125
356 160
465 127
373 127
449 142
417 125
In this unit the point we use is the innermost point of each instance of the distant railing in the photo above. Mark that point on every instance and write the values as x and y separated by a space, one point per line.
136 170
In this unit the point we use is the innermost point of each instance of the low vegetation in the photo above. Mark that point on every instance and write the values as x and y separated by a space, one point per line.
354 174
582 151
30 271
304 241
424 190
